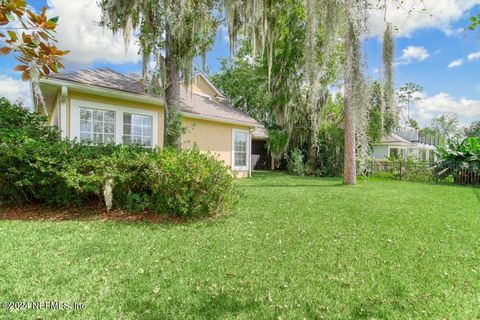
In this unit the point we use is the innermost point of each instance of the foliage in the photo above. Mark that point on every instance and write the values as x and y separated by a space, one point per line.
191 183
36 166
35 48
375 130
171 34
277 141
408 95
468 150
460 160
296 163
389 115
445 125
474 22
330 138
414 124
245 82
473 130
408 169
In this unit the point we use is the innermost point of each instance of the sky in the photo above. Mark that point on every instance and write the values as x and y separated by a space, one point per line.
433 48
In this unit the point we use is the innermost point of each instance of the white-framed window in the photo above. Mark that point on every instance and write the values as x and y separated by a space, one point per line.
137 129
240 149
396 152
102 123
97 126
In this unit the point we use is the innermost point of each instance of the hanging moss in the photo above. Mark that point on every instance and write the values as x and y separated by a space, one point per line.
389 111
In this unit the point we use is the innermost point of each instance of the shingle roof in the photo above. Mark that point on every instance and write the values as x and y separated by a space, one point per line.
395 138
191 102
259 133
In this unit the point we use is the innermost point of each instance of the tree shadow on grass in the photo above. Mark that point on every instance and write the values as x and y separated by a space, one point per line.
220 306
294 185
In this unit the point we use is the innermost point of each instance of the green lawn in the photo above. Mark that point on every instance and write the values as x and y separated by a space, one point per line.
295 248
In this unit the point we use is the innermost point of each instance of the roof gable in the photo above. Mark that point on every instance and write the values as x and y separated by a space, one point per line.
203 84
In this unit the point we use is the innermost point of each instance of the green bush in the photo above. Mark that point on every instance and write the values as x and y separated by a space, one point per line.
296 165
37 166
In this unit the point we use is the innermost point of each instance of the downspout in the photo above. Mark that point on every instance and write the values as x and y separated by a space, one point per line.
63 112
250 136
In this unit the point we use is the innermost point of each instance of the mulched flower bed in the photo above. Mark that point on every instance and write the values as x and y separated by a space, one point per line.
36 212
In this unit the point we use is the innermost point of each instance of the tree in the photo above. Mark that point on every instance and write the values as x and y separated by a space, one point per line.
414 124
171 34
245 82
30 38
445 125
277 141
406 95
473 130
388 112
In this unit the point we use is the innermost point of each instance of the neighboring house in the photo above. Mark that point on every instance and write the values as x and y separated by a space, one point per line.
104 106
408 143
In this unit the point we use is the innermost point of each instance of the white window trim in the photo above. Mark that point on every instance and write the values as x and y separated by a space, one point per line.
119 111
243 168
399 148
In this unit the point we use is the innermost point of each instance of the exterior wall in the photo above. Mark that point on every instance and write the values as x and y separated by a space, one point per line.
212 136
380 152
54 119
116 102
199 85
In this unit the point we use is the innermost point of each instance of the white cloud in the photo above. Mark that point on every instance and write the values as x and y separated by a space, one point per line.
466 110
456 63
473 56
411 54
15 89
78 31
415 14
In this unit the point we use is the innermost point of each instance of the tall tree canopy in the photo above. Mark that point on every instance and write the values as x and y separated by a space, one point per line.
473 130
171 34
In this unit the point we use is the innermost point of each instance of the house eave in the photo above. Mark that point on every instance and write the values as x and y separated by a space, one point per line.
112 93
105 92
217 119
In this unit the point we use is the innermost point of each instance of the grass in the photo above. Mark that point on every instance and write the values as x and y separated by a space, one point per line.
295 248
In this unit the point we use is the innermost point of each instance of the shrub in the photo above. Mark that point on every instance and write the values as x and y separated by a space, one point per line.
460 161
189 183
37 166
296 165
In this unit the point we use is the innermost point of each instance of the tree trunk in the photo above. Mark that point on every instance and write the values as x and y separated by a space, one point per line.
313 153
349 166
272 162
172 118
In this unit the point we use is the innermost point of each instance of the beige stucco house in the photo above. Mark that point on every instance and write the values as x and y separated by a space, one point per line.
104 106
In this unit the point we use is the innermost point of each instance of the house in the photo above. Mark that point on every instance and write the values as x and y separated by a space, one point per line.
104 106
407 143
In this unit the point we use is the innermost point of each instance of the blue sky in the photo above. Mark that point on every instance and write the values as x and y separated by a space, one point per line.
425 47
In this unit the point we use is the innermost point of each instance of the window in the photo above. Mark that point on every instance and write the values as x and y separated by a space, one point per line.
97 126
422 154
397 152
394 153
137 129
103 123
240 150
